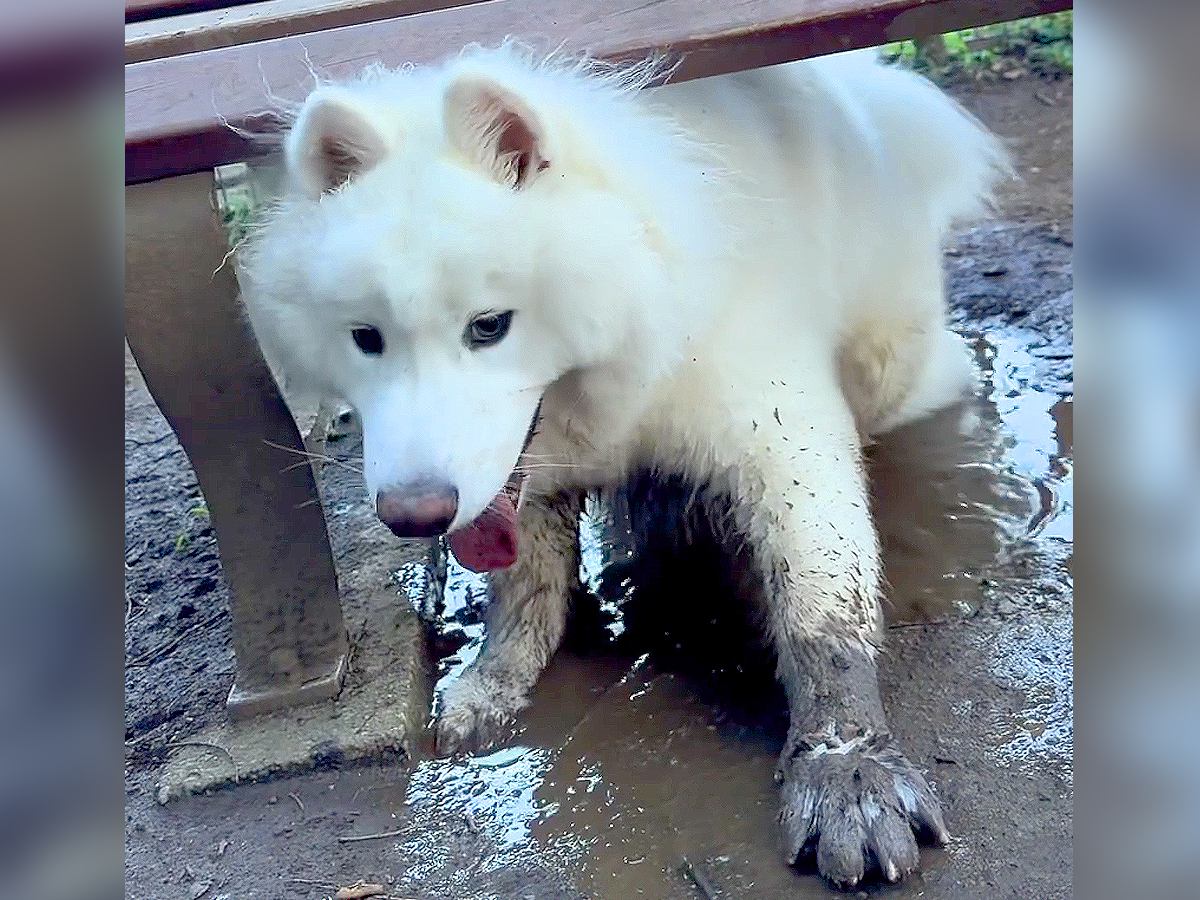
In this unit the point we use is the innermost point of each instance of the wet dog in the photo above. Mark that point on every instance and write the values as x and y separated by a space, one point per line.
532 277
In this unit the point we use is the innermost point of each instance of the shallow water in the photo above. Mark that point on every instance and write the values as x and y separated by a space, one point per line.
655 744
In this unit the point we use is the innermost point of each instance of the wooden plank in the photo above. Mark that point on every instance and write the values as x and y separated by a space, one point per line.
174 107
157 38
140 10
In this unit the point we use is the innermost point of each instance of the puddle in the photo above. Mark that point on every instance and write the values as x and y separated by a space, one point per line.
630 760
1035 658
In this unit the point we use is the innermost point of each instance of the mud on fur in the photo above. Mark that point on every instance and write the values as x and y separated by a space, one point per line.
734 283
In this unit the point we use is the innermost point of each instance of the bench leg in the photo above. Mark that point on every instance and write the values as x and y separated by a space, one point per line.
204 369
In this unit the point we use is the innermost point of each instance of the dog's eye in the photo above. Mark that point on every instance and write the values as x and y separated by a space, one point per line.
369 340
488 329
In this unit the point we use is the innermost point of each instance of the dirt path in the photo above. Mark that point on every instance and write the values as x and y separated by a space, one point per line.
622 770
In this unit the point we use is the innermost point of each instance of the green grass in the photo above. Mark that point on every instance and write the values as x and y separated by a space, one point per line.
183 540
237 213
1042 45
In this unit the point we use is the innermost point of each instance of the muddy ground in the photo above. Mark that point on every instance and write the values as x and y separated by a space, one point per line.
640 752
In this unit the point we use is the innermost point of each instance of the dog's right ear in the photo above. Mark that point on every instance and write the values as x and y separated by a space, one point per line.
495 129
335 137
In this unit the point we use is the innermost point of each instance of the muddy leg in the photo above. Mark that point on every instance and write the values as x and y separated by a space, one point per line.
525 624
849 796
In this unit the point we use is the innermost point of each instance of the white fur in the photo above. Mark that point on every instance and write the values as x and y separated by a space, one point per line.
736 279
693 256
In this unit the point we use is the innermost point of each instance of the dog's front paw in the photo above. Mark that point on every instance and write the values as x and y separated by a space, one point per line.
858 807
477 711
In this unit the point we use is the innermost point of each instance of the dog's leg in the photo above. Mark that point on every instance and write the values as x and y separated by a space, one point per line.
849 795
525 623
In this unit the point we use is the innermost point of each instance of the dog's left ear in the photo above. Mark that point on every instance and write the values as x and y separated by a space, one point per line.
496 130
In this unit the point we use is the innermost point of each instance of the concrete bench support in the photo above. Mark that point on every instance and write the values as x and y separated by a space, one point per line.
202 364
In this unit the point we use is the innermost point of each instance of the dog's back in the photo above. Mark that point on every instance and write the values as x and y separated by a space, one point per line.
844 177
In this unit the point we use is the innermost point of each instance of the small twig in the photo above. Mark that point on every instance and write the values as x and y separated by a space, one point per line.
134 442
700 880
332 886
210 746
137 554
352 652
296 797
353 838
136 611
160 651
359 891
142 738
931 623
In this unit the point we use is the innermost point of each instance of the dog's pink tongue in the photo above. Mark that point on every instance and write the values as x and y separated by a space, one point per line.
490 542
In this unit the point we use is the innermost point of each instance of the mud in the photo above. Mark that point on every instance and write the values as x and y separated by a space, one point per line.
644 763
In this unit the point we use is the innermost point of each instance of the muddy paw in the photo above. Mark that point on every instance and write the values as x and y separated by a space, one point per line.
476 712
858 807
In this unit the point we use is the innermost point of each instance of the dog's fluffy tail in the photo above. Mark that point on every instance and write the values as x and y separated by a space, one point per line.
956 161
948 160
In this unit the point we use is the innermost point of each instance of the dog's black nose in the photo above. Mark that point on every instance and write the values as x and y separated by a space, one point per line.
422 508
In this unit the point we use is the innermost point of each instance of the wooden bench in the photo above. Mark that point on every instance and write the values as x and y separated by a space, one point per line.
208 29
191 75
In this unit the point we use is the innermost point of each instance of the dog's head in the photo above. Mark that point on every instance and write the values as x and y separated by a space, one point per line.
451 246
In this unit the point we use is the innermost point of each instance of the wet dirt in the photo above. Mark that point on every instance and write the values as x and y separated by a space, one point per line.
643 766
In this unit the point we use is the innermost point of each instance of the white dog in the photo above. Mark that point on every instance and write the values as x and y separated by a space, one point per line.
532 278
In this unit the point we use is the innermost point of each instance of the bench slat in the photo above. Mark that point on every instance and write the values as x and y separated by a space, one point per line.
174 106
226 27
140 10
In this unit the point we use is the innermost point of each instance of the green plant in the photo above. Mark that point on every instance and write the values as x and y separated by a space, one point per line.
237 213
183 539
1043 44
